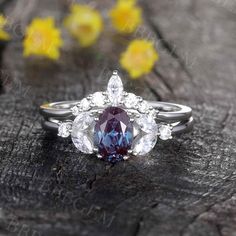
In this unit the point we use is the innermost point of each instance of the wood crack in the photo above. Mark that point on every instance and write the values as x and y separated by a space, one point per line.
227 117
218 227
138 226
16 137
153 91
209 208
171 49
90 182
164 81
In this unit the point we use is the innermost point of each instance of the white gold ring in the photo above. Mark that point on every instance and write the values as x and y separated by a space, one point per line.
115 124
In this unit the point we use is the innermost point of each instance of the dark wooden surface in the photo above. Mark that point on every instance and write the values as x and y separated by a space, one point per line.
186 186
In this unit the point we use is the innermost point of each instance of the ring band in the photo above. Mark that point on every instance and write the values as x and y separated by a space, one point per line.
116 124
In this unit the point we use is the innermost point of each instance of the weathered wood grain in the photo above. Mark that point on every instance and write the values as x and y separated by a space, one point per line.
186 186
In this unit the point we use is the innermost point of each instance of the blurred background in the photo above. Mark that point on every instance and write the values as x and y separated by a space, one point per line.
176 51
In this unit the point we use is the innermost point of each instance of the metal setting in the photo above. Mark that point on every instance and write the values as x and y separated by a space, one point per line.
150 119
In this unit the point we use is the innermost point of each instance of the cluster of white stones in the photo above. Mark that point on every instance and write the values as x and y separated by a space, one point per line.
130 100
81 129
98 99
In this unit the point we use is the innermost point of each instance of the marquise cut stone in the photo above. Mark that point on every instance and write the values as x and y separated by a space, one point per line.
82 132
147 124
144 144
113 134
115 89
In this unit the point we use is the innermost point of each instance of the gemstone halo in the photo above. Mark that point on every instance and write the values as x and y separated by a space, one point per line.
114 124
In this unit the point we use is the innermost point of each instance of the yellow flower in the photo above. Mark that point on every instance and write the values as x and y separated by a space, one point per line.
43 39
126 16
84 23
139 58
3 34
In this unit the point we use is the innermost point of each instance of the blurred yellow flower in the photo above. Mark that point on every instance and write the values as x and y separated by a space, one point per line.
84 23
126 16
139 58
3 34
43 39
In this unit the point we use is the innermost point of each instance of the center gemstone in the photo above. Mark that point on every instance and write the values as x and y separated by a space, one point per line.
113 134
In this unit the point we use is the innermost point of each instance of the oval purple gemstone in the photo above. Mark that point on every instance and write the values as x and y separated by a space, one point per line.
113 134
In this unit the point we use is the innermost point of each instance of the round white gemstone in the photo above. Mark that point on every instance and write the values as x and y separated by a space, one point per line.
165 132
75 110
64 130
115 89
147 124
143 107
144 145
153 113
81 136
98 99
85 104
131 100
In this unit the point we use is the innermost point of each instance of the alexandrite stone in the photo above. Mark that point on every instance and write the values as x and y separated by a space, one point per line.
113 134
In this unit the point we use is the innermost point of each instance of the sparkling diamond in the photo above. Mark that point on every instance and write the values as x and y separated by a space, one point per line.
98 99
131 100
82 121
144 144
147 124
115 89
143 107
64 130
113 134
75 110
85 104
153 113
165 132
82 142
81 134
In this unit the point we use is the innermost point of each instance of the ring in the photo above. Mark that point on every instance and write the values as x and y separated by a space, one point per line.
115 124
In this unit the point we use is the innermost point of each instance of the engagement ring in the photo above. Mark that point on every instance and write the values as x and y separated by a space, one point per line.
115 124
